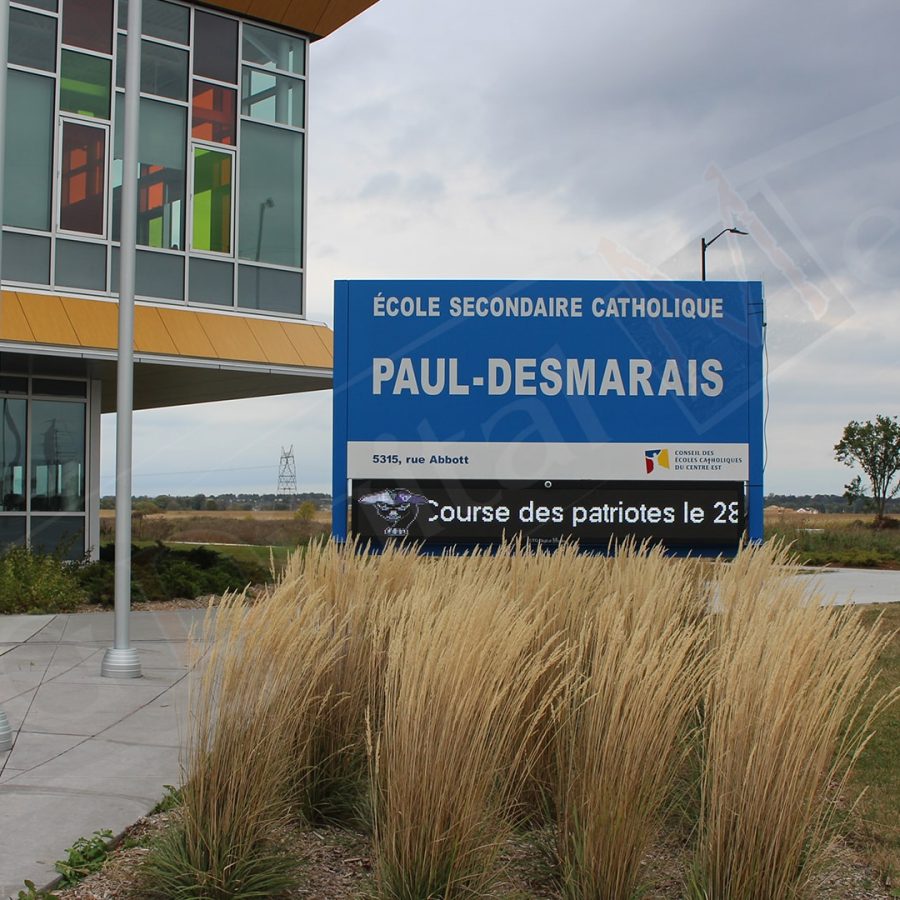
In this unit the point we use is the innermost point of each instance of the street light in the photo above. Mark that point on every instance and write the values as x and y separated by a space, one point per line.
704 243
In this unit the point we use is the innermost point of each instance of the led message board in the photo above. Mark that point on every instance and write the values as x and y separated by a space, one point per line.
461 405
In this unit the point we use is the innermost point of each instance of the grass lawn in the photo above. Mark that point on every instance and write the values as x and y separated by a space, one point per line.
878 770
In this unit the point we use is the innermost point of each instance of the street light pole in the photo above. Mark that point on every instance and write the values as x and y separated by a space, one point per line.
705 244
121 660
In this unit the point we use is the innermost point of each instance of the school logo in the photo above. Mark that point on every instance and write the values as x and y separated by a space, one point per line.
398 507
654 458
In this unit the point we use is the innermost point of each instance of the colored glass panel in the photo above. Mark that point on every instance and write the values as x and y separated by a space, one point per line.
32 40
12 447
84 87
88 24
274 50
215 47
29 150
213 113
82 183
271 195
161 189
272 98
212 200
164 70
57 455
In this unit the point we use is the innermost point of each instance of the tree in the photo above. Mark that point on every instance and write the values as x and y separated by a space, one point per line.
875 448
306 511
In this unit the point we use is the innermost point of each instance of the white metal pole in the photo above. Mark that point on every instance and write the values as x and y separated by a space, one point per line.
121 660
6 737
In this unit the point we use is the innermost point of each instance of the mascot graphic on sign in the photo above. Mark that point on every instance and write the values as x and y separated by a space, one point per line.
398 507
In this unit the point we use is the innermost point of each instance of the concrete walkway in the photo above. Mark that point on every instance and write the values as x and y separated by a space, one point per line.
89 752
94 752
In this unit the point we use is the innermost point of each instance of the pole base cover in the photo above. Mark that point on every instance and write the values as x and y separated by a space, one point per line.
6 735
121 663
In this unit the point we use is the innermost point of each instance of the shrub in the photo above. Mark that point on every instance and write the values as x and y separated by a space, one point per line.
33 582
162 573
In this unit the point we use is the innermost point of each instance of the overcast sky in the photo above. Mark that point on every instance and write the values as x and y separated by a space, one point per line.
583 139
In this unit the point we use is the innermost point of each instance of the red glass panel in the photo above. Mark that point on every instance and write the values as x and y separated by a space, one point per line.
88 24
83 157
213 113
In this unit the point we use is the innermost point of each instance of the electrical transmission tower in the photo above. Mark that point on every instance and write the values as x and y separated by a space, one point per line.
287 475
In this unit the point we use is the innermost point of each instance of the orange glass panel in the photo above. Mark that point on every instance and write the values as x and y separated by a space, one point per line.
213 113
82 190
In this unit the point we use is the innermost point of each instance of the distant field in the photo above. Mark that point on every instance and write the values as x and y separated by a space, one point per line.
835 539
261 514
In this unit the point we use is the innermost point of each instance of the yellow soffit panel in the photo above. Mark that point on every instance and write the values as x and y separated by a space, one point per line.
316 17
95 324
47 319
13 324
231 338
74 322
308 344
150 333
274 342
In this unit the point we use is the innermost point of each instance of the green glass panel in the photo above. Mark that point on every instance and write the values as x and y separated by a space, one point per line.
26 258
29 151
271 200
84 85
212 200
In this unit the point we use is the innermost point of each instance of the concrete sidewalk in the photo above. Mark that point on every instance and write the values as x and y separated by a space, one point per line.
89 752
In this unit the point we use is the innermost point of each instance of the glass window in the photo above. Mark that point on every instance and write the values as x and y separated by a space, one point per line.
13 384
62 535
84 86
215 47
26 257
271 289
211 281
213 113
212 200
155 275
273 50
272 98
121 42
167 21
57 456
271 204
12 447
81 265
88 24
29 150
32 40
12 531
161 151
82 185
164 70
40 4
